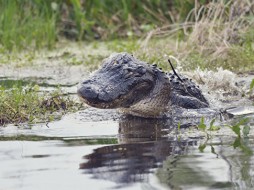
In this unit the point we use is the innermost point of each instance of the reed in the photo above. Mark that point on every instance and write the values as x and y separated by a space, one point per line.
41 22
209 27
215 34
26 22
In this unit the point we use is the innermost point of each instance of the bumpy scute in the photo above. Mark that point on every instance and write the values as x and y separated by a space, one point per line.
139 88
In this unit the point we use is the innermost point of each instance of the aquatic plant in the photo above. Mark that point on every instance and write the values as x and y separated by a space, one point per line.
27 104
241 134
241 129
252 85
202 126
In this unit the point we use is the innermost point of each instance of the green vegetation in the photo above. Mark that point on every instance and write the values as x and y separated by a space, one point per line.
252 85
241 133
217 34
40 22
27 22
251 92
27 104
212 127
206 24
205 34
241 129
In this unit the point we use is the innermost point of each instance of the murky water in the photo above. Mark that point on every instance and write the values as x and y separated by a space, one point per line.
97 149
78 152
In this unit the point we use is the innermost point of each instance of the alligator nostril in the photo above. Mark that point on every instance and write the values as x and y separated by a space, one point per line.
88 93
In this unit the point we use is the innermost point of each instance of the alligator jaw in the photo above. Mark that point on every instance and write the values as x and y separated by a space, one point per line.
155 104
96 99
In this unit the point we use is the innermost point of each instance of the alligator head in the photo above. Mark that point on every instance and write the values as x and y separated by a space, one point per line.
127 83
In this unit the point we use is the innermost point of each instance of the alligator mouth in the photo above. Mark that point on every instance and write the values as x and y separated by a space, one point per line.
132 96
98 104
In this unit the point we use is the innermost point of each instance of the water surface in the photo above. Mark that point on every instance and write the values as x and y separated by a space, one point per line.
79 152
94 149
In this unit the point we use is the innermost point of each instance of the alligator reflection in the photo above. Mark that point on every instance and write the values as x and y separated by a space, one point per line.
144 145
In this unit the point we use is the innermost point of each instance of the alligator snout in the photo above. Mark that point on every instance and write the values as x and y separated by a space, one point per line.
94 94
88 93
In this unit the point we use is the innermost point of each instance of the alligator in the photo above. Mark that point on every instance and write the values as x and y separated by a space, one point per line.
139 88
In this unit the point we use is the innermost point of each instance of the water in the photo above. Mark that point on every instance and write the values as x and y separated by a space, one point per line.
80 152
94 149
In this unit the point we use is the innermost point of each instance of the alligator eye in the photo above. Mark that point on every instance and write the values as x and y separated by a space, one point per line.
117 66
125 61
125 72
128 75
129 69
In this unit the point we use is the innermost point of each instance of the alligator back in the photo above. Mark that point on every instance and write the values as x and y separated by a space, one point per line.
185 93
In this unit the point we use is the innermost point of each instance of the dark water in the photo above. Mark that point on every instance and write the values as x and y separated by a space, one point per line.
78 152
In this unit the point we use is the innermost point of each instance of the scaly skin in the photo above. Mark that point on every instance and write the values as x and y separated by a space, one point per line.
138 88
